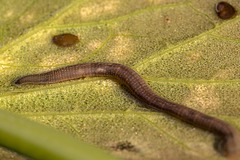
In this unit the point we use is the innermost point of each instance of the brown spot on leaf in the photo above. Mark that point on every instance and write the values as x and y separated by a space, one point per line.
125 145
225 10
65 40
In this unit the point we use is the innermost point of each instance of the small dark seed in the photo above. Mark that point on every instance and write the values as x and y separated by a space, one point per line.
225 10
125 146
65 40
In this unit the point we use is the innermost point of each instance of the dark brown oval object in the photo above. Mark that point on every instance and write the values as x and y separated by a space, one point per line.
65 40
230 145
225 10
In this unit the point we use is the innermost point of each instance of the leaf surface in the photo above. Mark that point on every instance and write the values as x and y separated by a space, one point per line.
180 47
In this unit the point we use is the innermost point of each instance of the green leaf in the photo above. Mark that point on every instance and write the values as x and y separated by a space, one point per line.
180 47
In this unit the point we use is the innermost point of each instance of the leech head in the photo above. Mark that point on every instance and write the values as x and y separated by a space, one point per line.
32 79
20 81
231 145
16 82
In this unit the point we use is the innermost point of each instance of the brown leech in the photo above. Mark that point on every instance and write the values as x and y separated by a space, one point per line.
225 10
230 145
65 40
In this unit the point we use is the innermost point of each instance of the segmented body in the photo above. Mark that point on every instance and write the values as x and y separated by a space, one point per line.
230 137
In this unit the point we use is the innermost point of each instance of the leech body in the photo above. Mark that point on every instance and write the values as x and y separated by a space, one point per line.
230 137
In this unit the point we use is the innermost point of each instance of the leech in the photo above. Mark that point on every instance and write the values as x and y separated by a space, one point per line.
230 145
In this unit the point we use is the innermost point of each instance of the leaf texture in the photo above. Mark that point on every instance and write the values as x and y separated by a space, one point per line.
180 47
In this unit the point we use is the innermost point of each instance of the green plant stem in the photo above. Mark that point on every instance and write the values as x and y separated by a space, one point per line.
40 142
